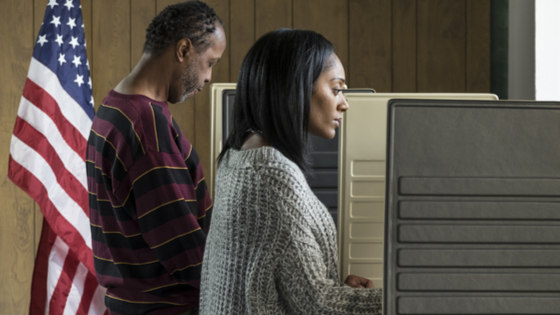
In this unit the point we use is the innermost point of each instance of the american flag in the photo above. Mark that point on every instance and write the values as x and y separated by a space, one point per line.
47 160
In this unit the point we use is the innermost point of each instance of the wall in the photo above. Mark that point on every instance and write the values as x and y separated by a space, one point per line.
521 64
547 50
399 45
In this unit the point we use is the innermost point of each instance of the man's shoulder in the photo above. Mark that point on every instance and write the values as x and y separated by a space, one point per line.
120 119
133 107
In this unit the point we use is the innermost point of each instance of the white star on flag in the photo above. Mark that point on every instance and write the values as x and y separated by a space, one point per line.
74 42
71 23
59 40
79 80
52 3
69 4
76 61
56 21
91 101
61 59
87 64
42 39
89 83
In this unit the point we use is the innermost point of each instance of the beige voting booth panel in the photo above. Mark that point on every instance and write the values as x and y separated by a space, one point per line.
216 132
361 194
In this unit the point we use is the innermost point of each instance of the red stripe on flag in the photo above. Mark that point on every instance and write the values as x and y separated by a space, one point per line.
40 273
66 231
40 144
64 285
43 100
90 286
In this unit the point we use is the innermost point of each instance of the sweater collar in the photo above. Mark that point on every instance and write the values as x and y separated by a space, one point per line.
263 155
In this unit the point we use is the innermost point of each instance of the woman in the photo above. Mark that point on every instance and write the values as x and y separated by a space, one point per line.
272 246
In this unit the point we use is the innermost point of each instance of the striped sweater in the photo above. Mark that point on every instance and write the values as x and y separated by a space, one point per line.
149 207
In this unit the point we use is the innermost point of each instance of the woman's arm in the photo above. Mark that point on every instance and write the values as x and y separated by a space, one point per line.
305 287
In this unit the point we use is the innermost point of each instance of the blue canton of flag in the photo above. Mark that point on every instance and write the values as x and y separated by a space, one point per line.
61 46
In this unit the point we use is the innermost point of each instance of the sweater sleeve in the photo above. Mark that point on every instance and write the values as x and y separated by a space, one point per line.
303 284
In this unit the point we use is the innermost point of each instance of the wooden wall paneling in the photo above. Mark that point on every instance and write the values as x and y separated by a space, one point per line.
38 12
478 46
141 14
271 15
241 31
220 73
87 10
370 45
39 7
17 224
326 17
111 46
183 112
404 45
441 46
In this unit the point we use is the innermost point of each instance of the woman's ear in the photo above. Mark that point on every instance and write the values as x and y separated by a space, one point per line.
183 50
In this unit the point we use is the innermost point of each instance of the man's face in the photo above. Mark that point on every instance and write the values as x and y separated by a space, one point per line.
199 70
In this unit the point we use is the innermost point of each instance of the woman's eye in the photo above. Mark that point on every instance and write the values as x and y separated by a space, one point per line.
336 91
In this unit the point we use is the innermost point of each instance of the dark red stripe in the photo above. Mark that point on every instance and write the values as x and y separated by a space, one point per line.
90 286
39 143
64 284
187 298
164 194
105 164
142 255
186 258
27 182
44 101
170 230
128 228
136 284
117 139
41 271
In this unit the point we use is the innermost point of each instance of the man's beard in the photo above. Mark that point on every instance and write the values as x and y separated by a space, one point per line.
189 80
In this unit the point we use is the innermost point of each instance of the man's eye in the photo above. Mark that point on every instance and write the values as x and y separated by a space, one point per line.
336 91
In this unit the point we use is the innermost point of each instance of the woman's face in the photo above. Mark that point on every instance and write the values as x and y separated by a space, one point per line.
327 101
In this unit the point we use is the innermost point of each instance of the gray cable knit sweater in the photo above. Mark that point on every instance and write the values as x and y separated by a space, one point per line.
272 245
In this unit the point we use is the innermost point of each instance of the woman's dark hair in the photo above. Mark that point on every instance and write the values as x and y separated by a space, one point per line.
194 20
274 91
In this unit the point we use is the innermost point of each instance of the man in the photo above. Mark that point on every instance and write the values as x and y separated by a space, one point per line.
149 205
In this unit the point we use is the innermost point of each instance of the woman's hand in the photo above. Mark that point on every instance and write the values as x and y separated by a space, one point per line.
358 282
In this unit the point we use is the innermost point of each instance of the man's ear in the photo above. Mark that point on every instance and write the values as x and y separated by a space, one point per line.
183 50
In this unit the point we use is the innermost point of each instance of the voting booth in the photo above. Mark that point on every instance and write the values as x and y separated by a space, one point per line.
473 208
362 166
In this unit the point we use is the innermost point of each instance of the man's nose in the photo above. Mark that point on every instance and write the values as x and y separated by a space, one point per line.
208 77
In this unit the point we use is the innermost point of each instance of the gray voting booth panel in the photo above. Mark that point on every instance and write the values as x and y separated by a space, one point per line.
324 182
473 208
